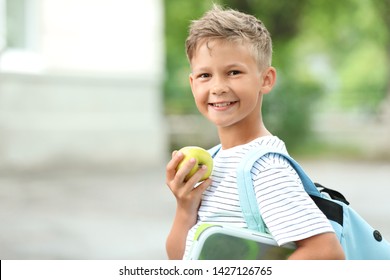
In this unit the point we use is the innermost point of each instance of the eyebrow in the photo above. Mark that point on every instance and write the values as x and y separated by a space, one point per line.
228 66
232 65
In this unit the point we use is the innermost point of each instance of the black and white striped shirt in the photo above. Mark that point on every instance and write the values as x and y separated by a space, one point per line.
287 210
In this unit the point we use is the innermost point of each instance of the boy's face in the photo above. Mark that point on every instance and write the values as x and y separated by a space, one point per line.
227 83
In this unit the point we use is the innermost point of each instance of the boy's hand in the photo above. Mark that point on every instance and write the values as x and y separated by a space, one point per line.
188 196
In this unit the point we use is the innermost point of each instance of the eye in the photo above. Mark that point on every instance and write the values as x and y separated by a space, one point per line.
204 75
234 72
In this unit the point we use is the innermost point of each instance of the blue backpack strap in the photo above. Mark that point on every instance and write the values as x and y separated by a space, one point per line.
214 150
248 201
246 190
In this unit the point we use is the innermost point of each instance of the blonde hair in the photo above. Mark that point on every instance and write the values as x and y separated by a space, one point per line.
233 26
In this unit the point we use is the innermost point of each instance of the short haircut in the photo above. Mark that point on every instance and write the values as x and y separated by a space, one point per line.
233 26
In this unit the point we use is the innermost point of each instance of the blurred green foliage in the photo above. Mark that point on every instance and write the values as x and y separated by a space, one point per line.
326 53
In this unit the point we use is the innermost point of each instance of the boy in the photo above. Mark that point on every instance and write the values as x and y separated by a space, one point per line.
230 58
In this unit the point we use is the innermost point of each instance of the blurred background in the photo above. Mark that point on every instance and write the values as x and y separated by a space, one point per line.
94 96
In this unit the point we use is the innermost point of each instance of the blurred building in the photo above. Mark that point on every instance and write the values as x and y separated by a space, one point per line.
80 83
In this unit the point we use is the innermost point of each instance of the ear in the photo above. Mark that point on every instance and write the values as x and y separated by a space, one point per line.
269 80
191 79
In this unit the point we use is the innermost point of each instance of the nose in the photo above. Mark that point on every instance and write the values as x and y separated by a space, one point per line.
219 87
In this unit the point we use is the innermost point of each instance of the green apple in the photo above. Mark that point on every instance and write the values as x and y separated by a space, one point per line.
201 156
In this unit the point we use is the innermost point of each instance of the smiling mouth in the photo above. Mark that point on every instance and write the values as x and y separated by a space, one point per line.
222 104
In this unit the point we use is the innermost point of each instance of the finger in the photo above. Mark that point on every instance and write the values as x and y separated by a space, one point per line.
198 175
198 191
182 173
204 185
171 167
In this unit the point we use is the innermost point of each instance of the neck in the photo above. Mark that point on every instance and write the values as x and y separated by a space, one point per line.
234 136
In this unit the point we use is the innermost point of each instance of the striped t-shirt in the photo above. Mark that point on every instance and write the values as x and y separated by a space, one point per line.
287 210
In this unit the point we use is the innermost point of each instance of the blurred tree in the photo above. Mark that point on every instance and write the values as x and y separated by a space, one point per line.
348 40
383 10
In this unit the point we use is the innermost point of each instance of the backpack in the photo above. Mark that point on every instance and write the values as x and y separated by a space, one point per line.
359 240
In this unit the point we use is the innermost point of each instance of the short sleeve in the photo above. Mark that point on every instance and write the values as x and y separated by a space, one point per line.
287 210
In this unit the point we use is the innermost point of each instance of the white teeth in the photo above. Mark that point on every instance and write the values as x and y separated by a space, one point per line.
222 104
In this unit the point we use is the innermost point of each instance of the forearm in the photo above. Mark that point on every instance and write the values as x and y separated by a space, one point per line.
176 240
321 254
320 247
